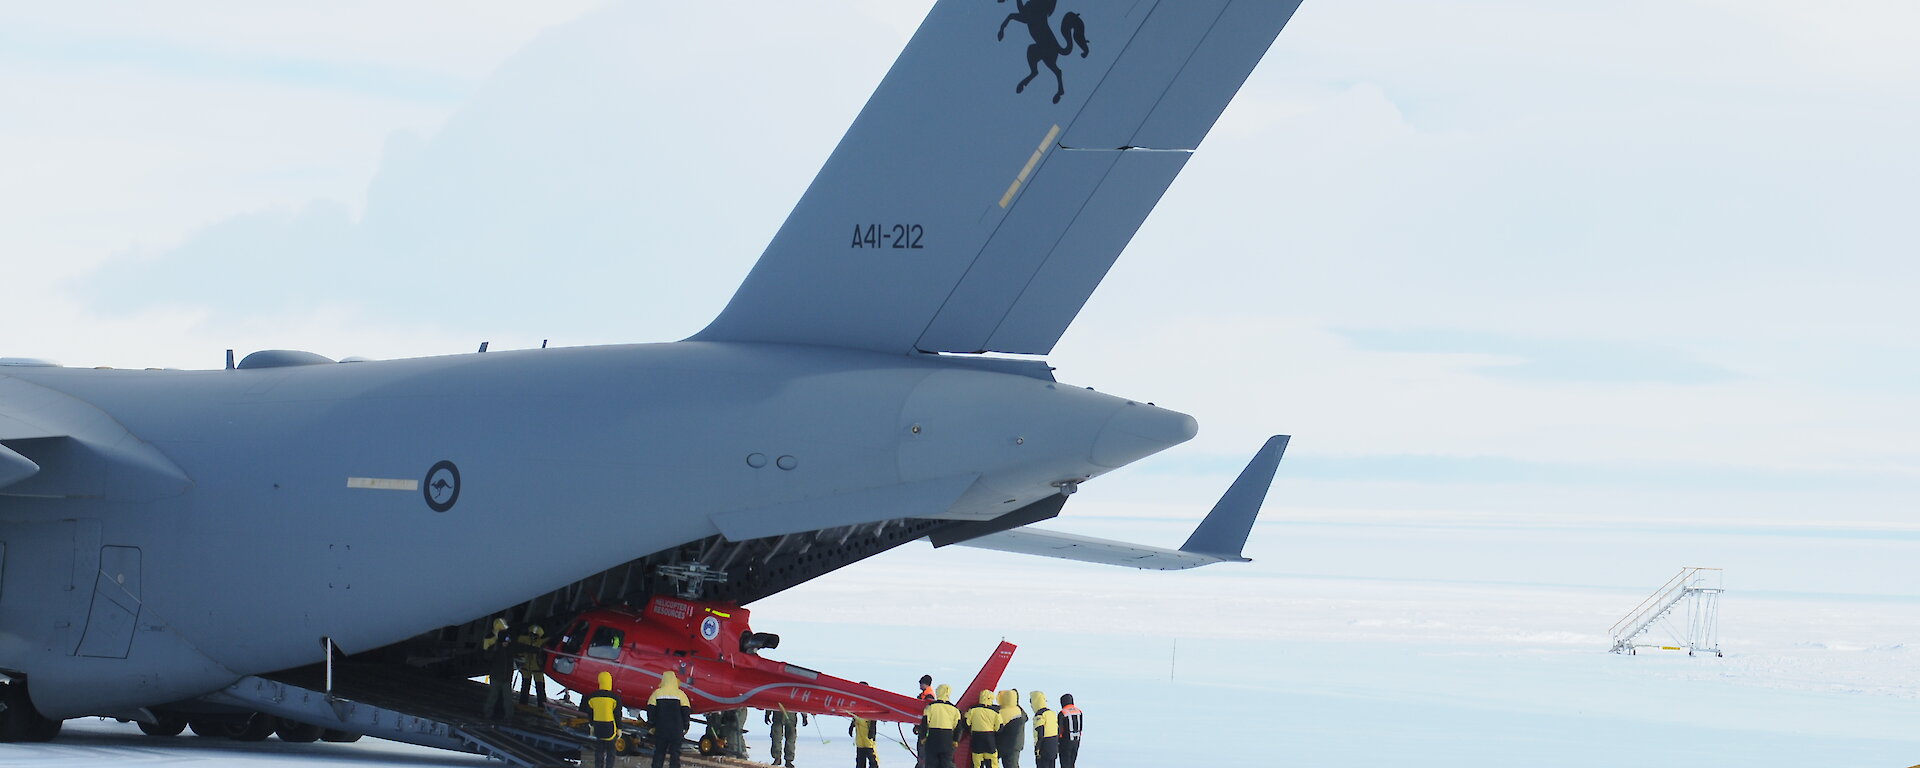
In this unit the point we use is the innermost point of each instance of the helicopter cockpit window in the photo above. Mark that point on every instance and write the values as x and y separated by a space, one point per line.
606 643
575 637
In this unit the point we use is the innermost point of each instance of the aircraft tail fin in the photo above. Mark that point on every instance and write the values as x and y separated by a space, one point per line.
988 678
997 172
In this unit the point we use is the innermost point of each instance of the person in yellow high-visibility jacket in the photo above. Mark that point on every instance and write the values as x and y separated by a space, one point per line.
1046 732
604 709
865 735
1013 728
983 721
940 725
533 661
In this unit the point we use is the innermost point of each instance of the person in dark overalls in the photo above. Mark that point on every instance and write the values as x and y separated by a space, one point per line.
670 713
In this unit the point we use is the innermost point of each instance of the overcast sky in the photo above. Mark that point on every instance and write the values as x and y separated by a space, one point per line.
1640 259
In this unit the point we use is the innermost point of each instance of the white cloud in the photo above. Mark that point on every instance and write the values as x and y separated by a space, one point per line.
1639 175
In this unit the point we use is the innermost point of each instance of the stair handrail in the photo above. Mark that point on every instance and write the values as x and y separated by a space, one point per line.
1653 603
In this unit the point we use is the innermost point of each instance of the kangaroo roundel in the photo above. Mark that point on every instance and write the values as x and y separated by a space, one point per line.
442 487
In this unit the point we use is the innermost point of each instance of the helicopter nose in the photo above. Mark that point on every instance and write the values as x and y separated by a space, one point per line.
1139 430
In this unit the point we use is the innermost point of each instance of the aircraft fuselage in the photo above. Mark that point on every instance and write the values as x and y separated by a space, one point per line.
239 516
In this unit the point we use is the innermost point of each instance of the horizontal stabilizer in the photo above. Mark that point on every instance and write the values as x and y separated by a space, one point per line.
997 172
1219 538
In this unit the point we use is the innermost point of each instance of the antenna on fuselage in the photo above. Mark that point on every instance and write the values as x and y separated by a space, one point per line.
483 345
229 359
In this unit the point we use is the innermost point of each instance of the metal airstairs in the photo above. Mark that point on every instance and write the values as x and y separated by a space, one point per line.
1695 593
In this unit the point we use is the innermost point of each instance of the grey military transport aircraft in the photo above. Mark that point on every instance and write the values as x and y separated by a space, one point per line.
181 545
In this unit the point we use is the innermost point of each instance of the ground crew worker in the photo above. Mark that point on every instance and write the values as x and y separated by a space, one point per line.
533 662
983 723
1013 728
499 642
940 726
784 724
866 736
1046 732
604 708
733 731
669 712
920 730
1070 720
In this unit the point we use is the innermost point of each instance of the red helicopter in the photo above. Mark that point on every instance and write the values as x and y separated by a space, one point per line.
716 655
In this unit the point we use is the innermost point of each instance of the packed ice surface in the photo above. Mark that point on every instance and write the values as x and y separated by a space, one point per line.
1354 640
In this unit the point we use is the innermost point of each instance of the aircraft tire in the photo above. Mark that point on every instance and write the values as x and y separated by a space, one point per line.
20 721
43 729
164 725
339 737
254 727
206 726
298 733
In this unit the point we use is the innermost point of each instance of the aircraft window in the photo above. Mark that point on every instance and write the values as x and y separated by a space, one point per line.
606 643
575 636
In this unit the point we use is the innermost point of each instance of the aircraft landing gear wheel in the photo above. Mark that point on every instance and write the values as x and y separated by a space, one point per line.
208 727
298 733
164 725
339 737
254 727
44 729
20 721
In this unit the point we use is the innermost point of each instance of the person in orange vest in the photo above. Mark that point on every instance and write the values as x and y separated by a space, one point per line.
604 708
1071 721
865 735
669 712
1046 732
983 722
920 729
940 729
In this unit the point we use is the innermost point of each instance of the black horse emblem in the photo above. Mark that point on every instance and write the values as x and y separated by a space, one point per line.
1046 48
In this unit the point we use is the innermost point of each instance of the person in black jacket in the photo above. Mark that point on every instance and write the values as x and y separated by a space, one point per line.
669 712
1072 722
499 643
